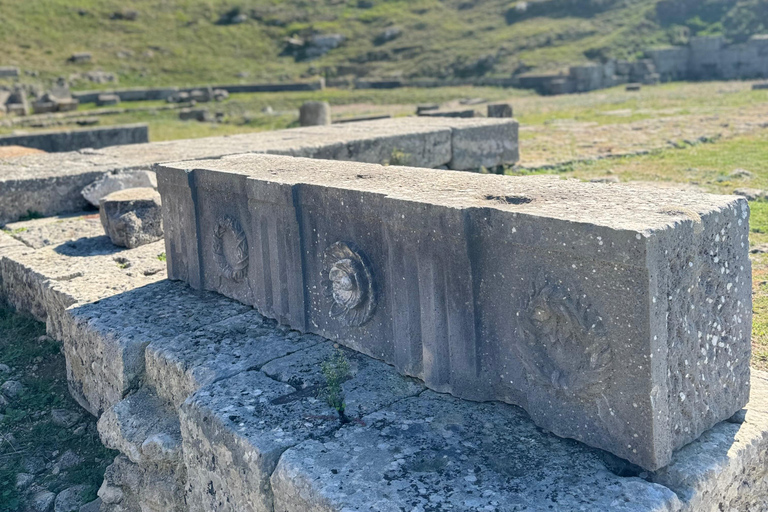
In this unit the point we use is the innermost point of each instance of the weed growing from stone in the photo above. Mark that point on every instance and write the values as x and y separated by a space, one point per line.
399 157
336 371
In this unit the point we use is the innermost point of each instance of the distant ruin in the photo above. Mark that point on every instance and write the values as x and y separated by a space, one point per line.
704 58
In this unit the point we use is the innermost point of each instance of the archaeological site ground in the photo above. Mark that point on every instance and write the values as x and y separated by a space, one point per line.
388 256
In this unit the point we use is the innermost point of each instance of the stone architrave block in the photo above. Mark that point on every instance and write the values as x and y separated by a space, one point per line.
617 316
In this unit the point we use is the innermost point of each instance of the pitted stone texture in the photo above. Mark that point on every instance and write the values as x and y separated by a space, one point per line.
373 385
235 430
421 268
143 428
177 367
114 181
130 487
45 282
725 469
52 184
132 217
104 341
39 233
436 452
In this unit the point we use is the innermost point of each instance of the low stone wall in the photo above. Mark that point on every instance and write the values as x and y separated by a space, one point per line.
163 93
73 140
52 184
710 58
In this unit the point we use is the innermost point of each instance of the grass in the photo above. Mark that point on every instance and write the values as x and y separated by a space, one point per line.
183 42
27 428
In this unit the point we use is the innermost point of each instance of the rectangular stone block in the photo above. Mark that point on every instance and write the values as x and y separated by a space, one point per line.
617 316
52 184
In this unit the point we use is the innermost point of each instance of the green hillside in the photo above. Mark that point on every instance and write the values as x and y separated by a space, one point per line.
199 41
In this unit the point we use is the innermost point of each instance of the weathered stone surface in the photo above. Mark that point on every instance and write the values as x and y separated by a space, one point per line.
104 341
132 217
39 233
112 182
130 487
315 113
45 282
143 428
179 366
51 184
434 452
421 268
232 446
439 453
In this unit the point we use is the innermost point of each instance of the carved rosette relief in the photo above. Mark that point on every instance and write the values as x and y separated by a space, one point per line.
348 283
232 256
564 346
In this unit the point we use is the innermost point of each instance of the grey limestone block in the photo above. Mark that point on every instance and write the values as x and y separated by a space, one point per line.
132 217
235 430
617 316
177 367
131 487
500 110
104 341
435 452
143 428
51 184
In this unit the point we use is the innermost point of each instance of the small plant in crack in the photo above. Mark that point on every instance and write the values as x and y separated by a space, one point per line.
336 371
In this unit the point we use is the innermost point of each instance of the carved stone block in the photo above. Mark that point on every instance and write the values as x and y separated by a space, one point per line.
614 315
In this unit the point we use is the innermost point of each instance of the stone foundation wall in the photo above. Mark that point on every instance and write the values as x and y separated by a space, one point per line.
73 140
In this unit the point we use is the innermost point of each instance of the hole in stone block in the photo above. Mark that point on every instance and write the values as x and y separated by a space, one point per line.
508 199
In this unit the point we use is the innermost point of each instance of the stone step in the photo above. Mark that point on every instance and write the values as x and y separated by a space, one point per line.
150 474
51 184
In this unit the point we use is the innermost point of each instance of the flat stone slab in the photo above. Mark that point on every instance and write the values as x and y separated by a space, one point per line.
435 452
104 341
46 281
177 367
51 184
235 430
614 315
39 233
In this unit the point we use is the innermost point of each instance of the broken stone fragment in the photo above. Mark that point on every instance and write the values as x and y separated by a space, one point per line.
112 182
132 217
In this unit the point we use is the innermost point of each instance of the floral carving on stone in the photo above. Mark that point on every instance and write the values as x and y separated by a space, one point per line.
231 255
564 346
348 283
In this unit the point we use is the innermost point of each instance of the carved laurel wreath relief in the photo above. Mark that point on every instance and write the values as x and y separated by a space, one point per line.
564 345
348 283
236 266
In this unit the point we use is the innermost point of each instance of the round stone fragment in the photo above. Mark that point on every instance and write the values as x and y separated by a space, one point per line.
132 217
315 113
